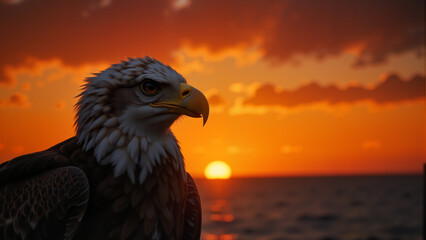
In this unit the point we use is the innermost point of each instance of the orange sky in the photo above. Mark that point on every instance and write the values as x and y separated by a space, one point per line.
295 87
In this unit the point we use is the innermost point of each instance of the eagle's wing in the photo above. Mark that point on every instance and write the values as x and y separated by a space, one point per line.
192 222
34 163
41 196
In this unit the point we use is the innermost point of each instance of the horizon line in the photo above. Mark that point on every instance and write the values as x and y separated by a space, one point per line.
317 175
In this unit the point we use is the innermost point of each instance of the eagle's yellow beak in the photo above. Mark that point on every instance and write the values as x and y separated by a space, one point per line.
190 102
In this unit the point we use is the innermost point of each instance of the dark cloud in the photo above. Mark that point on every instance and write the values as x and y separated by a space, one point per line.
77 32
392 89
373 30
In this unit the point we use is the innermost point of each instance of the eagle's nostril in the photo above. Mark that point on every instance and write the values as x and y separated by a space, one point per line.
185 93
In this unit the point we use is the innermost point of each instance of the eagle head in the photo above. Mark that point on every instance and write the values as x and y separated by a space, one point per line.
124 114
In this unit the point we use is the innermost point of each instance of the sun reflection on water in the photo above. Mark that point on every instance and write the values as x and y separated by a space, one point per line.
218 212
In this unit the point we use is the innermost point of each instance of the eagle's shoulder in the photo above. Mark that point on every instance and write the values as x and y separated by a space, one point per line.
32 164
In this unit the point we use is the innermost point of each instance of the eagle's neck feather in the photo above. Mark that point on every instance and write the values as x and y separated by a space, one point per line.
128 153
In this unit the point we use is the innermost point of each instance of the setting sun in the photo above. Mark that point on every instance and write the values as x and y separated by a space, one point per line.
217 170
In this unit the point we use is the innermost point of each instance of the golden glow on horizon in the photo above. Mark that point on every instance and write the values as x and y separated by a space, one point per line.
347 138
217 170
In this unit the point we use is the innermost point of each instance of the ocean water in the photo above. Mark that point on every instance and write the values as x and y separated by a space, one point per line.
326 208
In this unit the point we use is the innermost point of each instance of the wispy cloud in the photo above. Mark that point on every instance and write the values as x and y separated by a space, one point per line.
392 89
50 71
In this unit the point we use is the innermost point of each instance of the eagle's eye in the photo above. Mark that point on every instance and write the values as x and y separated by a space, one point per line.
150 87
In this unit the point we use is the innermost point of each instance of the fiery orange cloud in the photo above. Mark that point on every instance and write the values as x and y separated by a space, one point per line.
392 89
280 30
51 70
244 54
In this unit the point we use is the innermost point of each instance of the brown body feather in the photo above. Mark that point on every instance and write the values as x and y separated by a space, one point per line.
62 193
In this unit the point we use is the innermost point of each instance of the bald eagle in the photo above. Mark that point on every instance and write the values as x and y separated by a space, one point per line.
122 176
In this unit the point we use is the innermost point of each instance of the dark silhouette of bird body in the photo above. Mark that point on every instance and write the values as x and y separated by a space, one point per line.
122 176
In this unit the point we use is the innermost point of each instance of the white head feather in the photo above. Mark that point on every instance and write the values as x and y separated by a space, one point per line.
111 133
